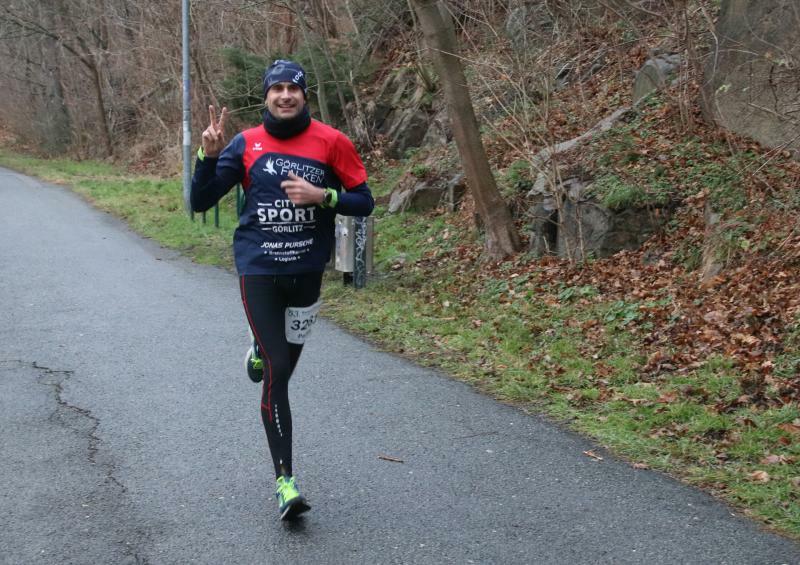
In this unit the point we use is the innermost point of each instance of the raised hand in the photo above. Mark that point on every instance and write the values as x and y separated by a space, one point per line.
214 135
301 192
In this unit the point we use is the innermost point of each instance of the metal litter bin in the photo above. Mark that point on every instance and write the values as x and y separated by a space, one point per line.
354 247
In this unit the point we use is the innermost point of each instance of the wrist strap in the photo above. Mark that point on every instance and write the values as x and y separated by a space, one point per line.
200 154
334 198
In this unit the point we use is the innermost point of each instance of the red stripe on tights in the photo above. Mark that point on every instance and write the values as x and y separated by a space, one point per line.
261 347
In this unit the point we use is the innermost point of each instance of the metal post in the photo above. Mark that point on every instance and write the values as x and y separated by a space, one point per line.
216 215
360 254
187 111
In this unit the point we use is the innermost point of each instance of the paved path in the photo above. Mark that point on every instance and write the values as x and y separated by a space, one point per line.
130 434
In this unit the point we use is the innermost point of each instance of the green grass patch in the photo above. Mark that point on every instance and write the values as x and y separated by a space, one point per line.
58 170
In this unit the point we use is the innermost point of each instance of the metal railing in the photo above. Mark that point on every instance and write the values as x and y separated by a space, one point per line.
239 207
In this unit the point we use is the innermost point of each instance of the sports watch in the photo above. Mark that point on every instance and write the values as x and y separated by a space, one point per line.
330 199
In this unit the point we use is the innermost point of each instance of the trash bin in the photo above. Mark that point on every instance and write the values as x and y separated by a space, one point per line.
354 247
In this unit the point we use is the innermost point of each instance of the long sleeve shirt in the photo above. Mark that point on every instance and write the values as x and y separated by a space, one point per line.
275 236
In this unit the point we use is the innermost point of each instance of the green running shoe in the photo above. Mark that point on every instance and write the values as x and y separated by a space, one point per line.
290 502
254 364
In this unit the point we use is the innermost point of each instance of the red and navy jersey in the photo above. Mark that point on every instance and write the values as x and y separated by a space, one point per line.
275 236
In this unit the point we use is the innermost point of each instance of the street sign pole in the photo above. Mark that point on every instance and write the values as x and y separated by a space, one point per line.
187 111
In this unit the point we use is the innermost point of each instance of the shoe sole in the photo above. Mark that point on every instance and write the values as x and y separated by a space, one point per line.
295 508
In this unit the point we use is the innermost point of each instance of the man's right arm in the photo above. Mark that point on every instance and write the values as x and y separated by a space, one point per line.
215 176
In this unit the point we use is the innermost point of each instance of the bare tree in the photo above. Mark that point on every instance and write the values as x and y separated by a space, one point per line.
86 49
502 239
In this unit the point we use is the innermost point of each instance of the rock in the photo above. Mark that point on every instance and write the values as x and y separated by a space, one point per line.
425 197
399 200
377 112
654 75
590 229
752 83
422 196
412 193
400 112
408 130
454 191
439 132
711 265
543 228
583 227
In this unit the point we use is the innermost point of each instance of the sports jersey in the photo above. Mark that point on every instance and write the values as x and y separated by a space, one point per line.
275 236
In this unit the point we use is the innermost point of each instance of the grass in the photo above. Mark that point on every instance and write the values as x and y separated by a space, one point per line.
516 336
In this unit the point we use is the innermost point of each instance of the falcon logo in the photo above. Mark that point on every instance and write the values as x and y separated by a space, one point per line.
257 146
269 167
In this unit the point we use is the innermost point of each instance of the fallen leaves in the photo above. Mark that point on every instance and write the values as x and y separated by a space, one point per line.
667 397
772 459
792 428
742 317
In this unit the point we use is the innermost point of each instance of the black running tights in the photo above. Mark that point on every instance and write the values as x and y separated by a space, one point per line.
265 299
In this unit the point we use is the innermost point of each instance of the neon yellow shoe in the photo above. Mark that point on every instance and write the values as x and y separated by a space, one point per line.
254 364
290 502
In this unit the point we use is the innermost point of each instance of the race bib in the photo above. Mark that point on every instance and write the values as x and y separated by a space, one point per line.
299 322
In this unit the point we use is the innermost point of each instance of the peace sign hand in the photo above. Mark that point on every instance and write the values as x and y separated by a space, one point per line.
214 135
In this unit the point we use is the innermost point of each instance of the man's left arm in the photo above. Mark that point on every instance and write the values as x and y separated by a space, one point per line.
356 198
356 201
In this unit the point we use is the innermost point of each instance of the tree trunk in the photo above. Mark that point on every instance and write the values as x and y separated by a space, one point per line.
59 132
101 106
326 51
322 96
502 239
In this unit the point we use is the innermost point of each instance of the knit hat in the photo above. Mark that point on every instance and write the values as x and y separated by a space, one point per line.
285 71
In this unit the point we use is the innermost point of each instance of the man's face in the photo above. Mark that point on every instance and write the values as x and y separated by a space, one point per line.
285 100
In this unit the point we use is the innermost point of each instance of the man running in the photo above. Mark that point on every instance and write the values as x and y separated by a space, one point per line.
297 174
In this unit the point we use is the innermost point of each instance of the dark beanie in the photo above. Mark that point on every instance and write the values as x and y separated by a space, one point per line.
285 71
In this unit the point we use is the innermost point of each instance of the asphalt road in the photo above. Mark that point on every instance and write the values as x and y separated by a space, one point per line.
131 434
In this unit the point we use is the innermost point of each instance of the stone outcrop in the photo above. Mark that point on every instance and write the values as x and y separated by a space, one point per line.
580 226
526 25
656 74
711 263
752 81
402 112
414 194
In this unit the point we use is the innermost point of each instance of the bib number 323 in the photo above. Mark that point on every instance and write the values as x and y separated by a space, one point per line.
299 322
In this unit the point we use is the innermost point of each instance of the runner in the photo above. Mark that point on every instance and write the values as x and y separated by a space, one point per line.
297 174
